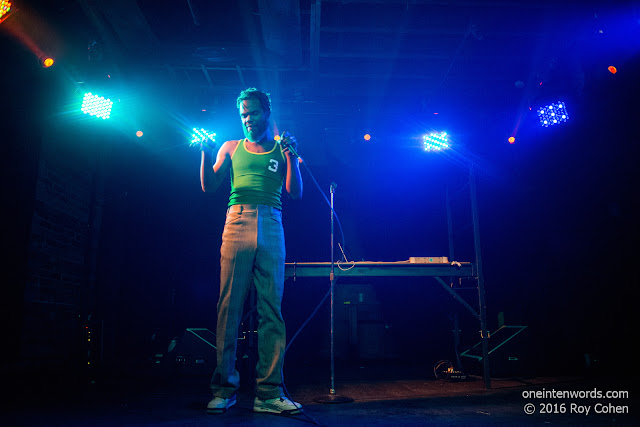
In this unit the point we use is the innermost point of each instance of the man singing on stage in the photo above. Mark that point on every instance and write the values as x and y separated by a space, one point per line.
253 251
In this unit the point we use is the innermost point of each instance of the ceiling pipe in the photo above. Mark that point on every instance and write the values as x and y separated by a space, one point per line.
193 13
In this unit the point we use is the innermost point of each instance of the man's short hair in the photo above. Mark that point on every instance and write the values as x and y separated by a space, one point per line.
253 93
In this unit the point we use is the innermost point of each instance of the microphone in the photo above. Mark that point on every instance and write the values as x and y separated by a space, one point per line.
289 146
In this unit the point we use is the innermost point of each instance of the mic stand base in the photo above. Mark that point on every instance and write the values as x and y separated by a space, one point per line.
333 398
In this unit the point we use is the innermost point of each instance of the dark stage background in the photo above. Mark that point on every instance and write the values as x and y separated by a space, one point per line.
110 248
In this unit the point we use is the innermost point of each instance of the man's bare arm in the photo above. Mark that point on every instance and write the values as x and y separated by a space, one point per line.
293 180
211 176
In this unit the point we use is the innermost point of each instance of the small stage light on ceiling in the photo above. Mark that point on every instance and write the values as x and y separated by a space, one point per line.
512 140
47 62
96 105
200 134
612 69
553 114
139 134
436 141
367 137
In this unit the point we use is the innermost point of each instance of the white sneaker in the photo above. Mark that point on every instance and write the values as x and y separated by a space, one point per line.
279 405
218 405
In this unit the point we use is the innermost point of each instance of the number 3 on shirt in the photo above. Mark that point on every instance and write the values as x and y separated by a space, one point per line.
274 165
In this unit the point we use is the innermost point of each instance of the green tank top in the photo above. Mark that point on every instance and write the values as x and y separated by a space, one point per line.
256 178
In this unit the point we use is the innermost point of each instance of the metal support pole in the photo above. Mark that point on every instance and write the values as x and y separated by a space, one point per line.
456 314
484 332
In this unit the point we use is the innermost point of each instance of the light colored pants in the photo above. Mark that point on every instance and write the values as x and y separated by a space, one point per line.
252 250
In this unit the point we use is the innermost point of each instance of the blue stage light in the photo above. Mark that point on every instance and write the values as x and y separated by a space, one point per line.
553 114
95 105
436 141
200 134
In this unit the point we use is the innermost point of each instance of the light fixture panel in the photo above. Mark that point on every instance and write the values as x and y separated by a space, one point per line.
553 114
201 134
5 8
96 105
436 141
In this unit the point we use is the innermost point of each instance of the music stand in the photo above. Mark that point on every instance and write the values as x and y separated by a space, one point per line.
332 397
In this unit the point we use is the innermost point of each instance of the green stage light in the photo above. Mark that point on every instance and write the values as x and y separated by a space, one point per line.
95 105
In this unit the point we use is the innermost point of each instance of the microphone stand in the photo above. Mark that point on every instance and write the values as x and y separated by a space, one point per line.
332 397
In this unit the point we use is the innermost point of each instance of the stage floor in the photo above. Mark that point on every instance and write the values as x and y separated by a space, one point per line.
383 395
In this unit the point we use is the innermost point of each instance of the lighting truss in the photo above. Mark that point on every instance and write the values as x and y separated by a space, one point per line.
436 141
553 114
95 105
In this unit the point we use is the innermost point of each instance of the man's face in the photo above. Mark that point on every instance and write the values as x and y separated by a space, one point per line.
254 120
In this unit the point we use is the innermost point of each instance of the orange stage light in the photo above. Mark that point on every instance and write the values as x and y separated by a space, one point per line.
139 134
367 137
612 69
48 62
511 140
